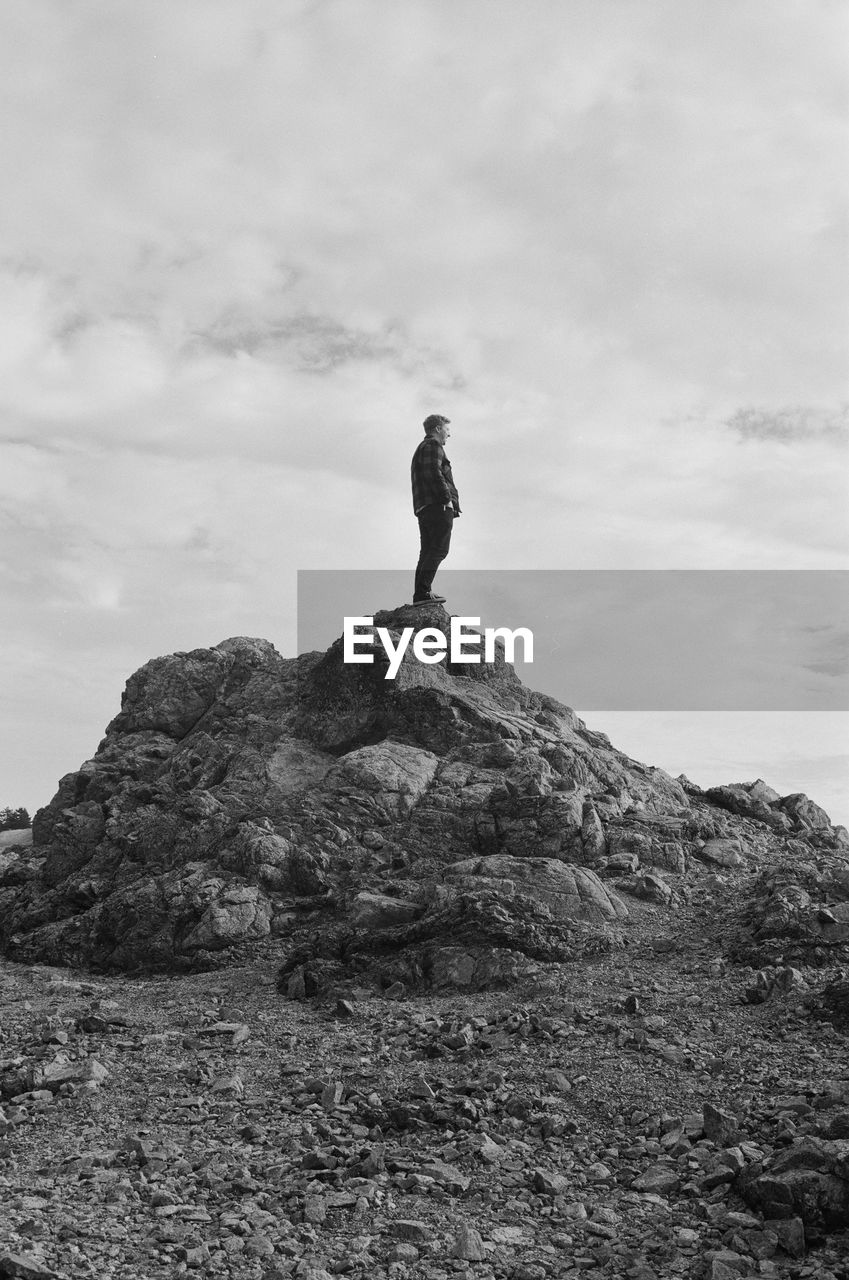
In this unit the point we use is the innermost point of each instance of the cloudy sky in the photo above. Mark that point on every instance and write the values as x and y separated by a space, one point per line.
246 245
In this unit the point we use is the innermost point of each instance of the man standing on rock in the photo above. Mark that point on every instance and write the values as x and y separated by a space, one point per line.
435 502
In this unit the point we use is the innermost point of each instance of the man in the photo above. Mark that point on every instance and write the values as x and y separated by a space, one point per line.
435 502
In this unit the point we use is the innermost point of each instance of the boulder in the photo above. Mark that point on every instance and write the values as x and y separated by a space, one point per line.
394 773
723 853
239 913
831 1004
804 813
569 893
809 1180
650 887
380 911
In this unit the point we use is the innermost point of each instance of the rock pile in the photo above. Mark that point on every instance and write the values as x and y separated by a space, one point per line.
450 816
540 1010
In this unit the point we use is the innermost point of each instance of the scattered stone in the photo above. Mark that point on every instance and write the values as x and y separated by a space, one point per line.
332 1095
508 1235
720 1269
411 1230
232 1086
489 1151
652 887
659 1179
404 1253
17 1266
88 1072
720 1126
790 1233
447 1176
558 1080
550 1184
468 1245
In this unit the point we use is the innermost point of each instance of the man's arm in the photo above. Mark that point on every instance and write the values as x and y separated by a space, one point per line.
431 460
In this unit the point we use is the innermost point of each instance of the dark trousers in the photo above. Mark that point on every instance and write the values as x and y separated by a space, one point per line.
435 525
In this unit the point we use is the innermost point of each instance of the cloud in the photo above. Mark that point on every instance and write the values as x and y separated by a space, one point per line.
802 422
547 190
312 343
249 245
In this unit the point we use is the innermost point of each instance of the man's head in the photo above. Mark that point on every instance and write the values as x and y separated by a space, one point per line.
437 426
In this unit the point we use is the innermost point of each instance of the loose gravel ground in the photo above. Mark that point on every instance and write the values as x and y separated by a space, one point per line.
206 1125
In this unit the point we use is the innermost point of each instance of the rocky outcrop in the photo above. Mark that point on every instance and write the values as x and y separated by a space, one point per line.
450 818
795 910
483 926
791 814
808 1181
832 1004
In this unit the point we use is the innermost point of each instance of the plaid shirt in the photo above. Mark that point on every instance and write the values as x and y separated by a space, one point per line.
431 476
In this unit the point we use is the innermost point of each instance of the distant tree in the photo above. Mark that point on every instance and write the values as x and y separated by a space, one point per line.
14 820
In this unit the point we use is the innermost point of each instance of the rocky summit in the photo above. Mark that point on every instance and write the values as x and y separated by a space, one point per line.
238 793
311 972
